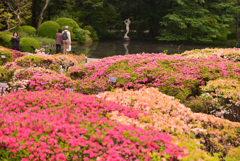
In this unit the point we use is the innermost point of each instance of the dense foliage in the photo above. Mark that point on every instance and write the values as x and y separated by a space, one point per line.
5 39
170 20
92 31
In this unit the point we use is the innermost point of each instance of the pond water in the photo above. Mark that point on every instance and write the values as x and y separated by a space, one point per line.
103 49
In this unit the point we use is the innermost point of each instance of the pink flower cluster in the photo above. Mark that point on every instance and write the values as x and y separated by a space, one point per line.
59 125
47 81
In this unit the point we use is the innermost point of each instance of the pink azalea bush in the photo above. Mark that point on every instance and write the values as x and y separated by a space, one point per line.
37 78
177 76
16 53
169 115
22 77
59 125
38 61
47 81
232 54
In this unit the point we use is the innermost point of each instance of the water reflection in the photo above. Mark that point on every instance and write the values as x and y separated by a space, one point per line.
109 48
125 44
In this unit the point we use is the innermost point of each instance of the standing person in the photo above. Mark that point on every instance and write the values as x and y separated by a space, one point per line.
59 41
66 39
238 44
15 41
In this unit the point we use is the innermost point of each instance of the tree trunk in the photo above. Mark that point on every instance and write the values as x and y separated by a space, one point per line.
237 34
34 13
41 14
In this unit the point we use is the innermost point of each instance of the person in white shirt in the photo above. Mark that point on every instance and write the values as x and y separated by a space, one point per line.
66 39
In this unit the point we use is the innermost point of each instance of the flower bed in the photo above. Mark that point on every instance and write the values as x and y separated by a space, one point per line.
58 125
177 76
168 115
232 54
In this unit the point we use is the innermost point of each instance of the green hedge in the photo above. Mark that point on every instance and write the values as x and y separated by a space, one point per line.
18 29
5 39
29 30
27 42
93 32
48 29
68 22
8 54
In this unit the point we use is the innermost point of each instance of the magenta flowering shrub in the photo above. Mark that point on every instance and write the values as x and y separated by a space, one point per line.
47 81
58 125
26 73
173 75
16 53
23 76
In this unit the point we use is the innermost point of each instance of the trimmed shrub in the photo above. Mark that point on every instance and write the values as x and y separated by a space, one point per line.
27 42
68 22
5 39
8 54
29 30
94 35
18 29
48 29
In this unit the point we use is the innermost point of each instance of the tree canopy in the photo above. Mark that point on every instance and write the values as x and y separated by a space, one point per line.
168 20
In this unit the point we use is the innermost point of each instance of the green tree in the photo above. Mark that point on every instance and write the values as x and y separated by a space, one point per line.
200 20
15 12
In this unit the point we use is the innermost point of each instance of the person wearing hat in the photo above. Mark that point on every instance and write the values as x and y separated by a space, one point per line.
66 39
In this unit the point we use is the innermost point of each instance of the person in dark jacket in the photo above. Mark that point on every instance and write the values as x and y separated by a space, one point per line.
59 41
15 41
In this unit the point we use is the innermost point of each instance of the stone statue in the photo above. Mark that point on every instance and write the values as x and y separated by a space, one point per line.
127 22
